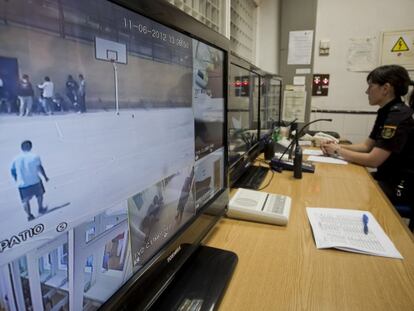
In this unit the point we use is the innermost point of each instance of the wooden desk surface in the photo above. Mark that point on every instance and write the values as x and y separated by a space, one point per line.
280 268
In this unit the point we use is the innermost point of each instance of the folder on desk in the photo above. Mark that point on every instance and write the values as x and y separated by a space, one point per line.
350 230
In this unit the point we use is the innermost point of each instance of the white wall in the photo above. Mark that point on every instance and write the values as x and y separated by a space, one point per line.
267 35
338 21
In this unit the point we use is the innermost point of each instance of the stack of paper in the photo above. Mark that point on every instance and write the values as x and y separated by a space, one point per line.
344 229
314 152
324 159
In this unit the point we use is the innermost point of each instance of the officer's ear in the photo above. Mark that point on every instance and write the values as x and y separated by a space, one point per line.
388 88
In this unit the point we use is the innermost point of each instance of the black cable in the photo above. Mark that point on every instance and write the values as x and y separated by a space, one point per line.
297 136
268 183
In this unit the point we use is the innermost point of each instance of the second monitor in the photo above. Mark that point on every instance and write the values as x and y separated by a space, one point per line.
253 109
243 112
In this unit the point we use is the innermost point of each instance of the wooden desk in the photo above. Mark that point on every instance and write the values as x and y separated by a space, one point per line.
280 268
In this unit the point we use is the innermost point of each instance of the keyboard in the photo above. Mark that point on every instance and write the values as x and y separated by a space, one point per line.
252 178
260 206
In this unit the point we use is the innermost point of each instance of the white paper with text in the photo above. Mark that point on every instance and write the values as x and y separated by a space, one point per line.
343 229
324 159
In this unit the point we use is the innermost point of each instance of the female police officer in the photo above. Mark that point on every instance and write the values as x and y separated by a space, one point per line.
390 146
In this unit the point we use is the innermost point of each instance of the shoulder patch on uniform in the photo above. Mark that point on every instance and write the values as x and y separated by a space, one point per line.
388 131
395 108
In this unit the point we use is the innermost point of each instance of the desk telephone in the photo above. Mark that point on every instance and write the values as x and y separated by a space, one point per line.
320 136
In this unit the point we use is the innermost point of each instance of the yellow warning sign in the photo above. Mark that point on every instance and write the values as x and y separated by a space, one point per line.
400 46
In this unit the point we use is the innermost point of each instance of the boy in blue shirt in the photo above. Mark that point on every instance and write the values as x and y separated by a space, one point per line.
25 170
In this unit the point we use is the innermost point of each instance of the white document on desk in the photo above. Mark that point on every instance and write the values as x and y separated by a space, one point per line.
314 152
323 159
343 229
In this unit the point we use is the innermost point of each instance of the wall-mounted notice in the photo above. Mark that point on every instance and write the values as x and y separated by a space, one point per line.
299 80
300 47
398 48
303 71
362 55
294 103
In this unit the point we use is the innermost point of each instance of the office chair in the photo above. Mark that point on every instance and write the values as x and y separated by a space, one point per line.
407 210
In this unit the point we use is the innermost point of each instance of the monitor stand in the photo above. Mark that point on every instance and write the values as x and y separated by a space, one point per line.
201 283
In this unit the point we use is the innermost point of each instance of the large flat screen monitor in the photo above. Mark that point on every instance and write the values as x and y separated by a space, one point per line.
112 162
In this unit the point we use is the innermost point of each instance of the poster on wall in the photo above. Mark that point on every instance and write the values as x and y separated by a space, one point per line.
300 47
294 103
362 54
398 48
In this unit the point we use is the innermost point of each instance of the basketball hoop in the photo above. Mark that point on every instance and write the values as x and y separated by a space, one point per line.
110 51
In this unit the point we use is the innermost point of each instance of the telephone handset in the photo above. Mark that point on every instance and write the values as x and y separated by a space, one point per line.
320 136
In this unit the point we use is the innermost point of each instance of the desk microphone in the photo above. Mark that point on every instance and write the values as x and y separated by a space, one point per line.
282 123
291 122
297 164
297 161
269 151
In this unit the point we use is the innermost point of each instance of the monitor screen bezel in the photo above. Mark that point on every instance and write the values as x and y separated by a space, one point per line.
244 64
238 167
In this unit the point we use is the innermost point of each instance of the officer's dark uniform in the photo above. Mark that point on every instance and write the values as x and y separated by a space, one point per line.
394 131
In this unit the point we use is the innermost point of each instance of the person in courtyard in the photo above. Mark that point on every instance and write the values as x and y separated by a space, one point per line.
26 170
25 94
82 94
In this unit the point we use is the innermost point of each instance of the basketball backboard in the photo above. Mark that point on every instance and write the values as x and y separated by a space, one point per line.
110 51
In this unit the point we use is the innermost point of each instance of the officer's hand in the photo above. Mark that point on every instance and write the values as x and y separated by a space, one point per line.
326 147
329 149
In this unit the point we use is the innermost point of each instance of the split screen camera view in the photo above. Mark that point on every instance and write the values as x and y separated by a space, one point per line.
111 128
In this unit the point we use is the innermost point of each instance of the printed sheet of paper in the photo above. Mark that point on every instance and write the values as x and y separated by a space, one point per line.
324 159
344 229
362 55
300 47
314 152
294 105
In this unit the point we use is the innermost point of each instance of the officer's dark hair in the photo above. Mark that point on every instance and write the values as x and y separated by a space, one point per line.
26 145
47 78
397 76
411 101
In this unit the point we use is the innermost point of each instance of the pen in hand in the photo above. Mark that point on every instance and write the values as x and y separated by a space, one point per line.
365 222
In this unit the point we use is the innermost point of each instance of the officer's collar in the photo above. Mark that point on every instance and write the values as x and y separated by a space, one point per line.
387 107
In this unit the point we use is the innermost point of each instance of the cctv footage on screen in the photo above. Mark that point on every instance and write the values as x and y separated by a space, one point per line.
111 131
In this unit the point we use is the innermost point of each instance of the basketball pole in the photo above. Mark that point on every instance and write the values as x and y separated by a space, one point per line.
116 86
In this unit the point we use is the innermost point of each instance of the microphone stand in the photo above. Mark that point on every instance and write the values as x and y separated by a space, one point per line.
294 144
297 161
